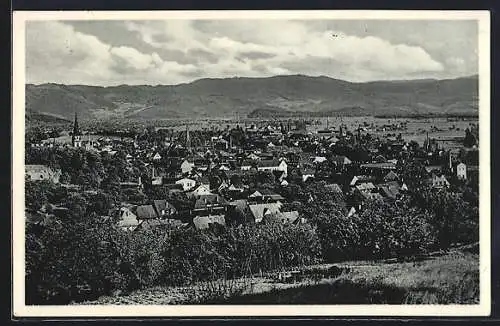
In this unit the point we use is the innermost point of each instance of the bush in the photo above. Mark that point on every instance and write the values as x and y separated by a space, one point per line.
81 257
381 230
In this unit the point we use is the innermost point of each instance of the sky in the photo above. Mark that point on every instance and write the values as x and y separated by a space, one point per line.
177 51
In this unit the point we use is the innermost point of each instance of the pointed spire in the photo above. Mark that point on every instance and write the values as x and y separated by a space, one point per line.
188 140
76 131
76 128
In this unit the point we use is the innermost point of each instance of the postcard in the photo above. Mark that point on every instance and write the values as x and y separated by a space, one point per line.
251 163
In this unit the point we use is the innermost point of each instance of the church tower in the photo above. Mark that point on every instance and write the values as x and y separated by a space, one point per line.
76 138
188 140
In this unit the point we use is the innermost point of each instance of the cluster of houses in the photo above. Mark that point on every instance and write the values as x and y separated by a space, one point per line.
215 174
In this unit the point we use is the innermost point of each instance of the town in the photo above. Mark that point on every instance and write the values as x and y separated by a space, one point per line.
257 173
211 174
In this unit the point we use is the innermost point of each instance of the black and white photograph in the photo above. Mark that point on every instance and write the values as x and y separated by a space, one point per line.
251 163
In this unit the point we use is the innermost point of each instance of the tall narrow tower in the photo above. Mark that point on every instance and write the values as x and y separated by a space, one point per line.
188 140
76 139
450 164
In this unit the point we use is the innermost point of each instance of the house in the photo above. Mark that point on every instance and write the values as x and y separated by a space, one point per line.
186 183
391 176
340 160
186 166
152 223
157 181
157 157
272 165
163 208
173 187
319 159
336 192
389 192
222 186
253 157
224 167
307 173
368 186
265 195
333 187
210 203
433 169
462 171
127 219
378 167
247 165
145 212
291 217
36 172
221 144
438 181
379 159
260 210
360 179
204 222
370 194
200 190
131 184
473 172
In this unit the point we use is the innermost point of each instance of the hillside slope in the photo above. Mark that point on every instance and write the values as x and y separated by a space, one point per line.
231 96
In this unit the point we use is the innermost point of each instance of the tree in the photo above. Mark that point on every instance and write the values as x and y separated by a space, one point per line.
37 193
470 139
454 219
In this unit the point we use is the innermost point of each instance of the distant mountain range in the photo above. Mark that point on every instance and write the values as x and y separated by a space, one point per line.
255 97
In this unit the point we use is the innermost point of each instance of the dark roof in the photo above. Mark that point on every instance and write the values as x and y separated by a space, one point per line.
340 159
248 162
204 201
334 187
389 192
145 212
162 205
391 176
259 210
268 163
173 186
472 168
383 166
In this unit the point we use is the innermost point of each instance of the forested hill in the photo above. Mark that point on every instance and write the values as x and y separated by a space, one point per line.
280 95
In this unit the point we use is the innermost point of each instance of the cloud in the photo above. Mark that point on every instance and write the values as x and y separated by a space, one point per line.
174 51
56 52
136 59
456 63
275 44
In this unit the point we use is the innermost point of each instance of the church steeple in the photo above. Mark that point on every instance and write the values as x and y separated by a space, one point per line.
76 129
76 136
188 139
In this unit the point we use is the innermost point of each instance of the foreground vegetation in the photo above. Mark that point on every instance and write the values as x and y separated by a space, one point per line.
75 252
439 279
80 256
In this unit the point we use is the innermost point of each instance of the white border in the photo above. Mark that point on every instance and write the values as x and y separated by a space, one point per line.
21 310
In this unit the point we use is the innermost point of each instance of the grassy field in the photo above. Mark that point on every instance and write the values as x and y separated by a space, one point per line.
452 278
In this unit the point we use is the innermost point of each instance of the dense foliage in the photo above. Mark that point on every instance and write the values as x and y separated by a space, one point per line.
81 255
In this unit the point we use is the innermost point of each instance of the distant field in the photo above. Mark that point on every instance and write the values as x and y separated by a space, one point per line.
452 278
